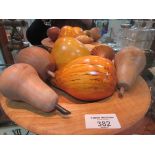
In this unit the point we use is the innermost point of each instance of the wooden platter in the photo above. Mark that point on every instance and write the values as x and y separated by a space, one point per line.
129 110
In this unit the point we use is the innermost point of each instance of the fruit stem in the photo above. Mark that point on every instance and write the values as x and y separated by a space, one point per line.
62 110
51 74
121 92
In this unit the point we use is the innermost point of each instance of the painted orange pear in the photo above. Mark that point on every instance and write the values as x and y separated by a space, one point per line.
66 49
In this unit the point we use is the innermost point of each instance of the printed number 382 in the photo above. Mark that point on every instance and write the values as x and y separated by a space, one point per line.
103 123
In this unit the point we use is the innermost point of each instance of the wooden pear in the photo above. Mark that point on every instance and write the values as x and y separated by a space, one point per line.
21 82
129 62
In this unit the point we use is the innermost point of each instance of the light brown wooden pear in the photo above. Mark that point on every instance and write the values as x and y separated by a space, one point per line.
129 62
21 82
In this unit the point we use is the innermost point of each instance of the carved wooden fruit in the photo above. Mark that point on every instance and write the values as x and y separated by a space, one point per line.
67 49
69 31
21 82
87 78
129 62
104 51
39 58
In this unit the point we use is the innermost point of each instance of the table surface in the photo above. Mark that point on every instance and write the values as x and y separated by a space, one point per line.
129 110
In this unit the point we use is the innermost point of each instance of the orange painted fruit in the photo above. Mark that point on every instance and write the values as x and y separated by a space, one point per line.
69 31
66 49
78 31
87 78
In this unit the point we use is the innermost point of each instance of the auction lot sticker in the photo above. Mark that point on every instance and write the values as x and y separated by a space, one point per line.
102 121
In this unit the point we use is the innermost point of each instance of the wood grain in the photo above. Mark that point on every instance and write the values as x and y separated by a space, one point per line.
129 110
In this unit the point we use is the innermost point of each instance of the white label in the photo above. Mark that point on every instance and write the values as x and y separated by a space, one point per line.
102 121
